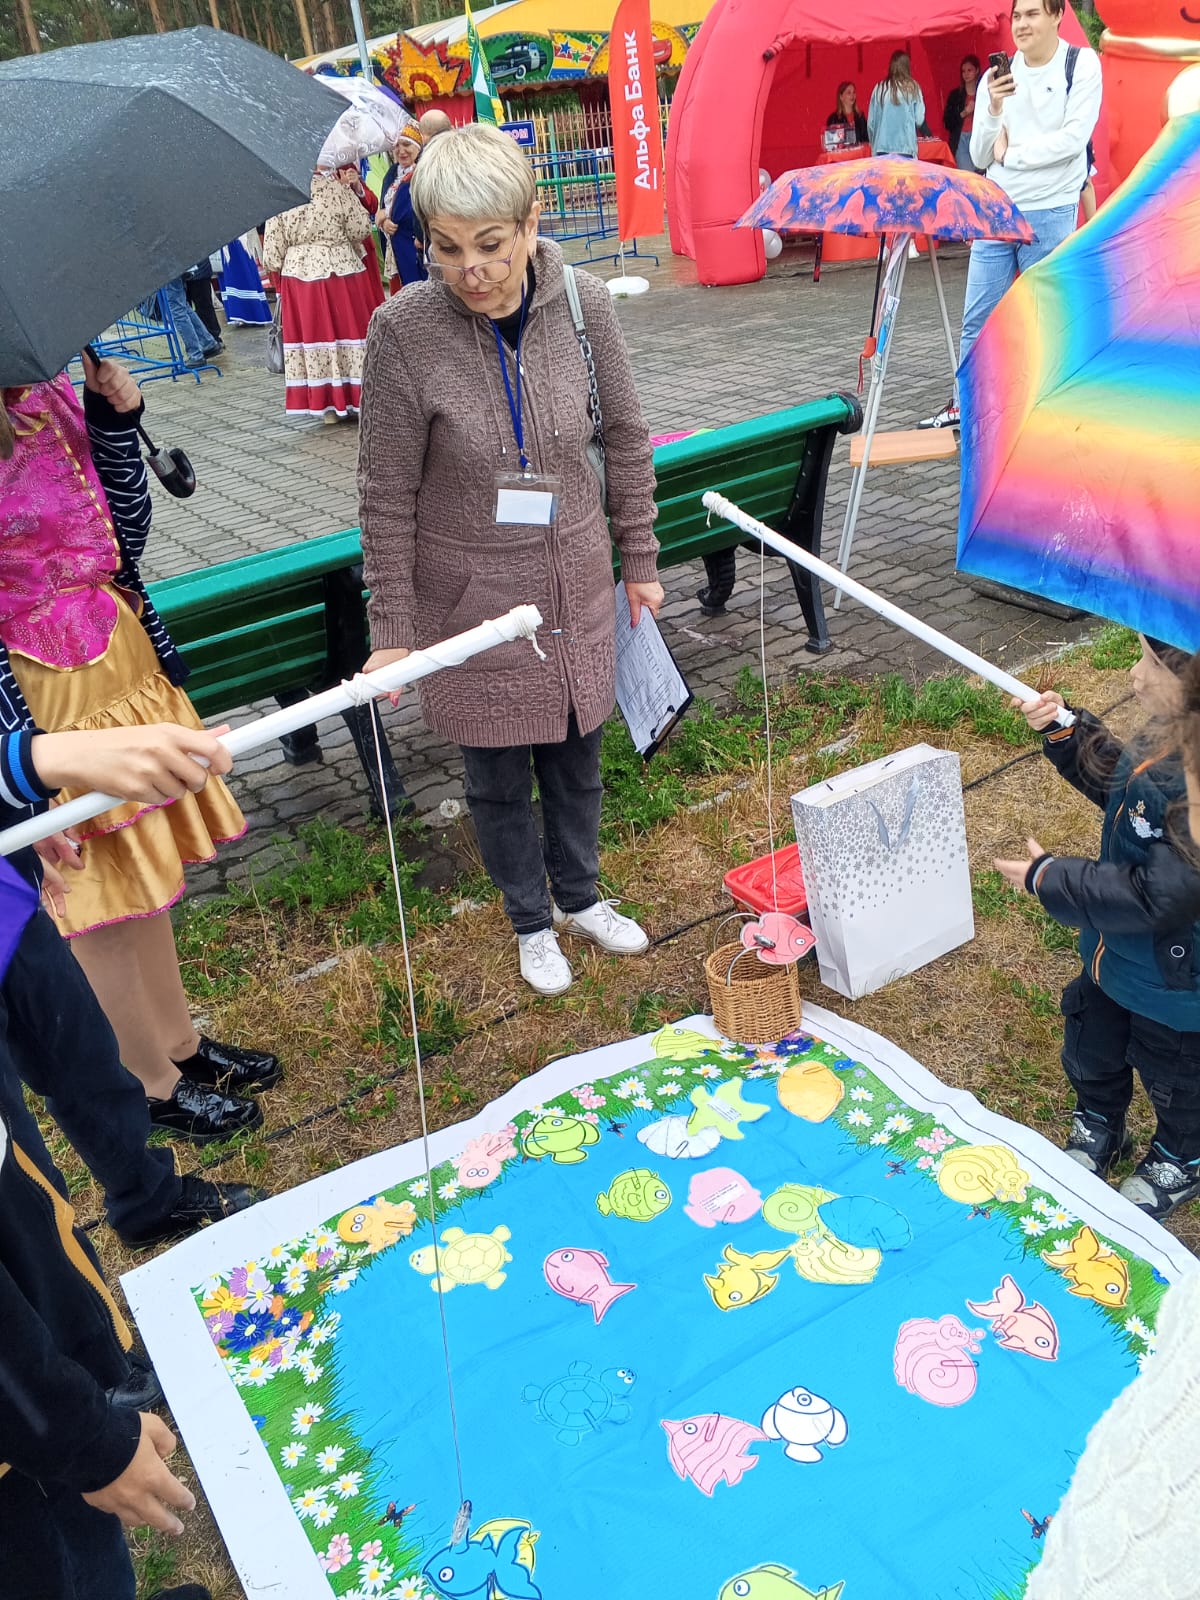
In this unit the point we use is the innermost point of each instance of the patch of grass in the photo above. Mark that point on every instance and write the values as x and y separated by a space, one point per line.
946 701
214 961
154 1563
1114 649
439 1021
651 1011
993 898
1041 1003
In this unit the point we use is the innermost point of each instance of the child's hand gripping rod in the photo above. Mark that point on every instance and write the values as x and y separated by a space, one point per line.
717 505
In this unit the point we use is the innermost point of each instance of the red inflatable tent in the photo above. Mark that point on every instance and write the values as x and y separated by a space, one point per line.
760 81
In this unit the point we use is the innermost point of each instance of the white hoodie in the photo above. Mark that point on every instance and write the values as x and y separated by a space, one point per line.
1045 164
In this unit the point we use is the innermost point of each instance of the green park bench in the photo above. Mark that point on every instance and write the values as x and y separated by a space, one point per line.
290 622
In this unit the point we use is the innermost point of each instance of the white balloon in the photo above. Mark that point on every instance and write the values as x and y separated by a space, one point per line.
772 243
764 180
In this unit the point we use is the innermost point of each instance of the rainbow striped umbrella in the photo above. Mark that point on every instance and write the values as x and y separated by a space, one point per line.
1081 411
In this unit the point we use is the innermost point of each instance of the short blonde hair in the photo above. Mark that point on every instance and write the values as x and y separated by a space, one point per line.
475 172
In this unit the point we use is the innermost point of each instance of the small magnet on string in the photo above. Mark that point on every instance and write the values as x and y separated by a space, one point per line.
462 1523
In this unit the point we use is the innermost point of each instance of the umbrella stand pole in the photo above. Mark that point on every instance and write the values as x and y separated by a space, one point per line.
874 399
941 297
522 622
717 505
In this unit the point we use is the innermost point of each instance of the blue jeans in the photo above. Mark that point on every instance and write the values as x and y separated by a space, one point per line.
197 340
54 1036
995 265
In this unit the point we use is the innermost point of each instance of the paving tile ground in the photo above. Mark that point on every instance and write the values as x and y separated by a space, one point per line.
702 357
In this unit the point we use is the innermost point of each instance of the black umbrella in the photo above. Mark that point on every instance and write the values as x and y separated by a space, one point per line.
125 162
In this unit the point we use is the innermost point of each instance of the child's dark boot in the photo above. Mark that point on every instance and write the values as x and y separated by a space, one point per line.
1095 1144
1160 1182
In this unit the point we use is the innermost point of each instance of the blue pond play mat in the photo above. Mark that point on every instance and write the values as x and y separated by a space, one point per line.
722 1322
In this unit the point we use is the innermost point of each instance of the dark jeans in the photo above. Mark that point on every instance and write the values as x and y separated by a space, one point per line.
1104 1045
199 293
54 1546
500 795
59 1041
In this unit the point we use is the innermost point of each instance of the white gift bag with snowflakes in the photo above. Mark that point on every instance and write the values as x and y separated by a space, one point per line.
884 854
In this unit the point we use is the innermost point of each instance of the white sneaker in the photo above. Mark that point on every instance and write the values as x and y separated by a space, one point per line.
620 936
543 966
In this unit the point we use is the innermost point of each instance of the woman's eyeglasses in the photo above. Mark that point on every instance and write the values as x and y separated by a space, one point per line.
498 271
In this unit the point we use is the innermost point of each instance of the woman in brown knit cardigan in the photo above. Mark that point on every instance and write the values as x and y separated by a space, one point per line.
475 383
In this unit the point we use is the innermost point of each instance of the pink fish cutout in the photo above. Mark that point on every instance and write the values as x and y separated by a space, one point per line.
721 1195
582 1276
483 1159
712 1449
778 938
1028 1329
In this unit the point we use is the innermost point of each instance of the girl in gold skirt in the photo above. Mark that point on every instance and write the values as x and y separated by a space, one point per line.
83 649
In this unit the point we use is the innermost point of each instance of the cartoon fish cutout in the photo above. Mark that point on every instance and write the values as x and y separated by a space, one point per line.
498 1526
638 1195
712 1449
563 1139
1028 1329
741 1279
721 1195
670 1137
724 1109
821 1258
773 1582
682 1044
378 1225
483 1567
582 1276
1093 1270
483 1159
792 1208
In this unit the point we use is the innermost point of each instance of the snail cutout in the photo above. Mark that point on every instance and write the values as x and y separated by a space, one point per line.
171 467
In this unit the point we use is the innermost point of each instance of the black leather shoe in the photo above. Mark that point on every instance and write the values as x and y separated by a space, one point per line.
199 1203
185 1591
225 1066
203 1115
141 1390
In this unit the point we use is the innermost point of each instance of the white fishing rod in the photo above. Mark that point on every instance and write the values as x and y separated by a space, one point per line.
522 622
718 505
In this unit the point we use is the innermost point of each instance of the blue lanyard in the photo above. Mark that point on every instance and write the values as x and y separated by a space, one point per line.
514 401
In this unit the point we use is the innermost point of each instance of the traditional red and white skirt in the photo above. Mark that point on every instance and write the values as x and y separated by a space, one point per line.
324 331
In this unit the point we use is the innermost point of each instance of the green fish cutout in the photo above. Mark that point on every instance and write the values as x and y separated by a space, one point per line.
773 1582
638 1195
561 1138
682 1044
723 1109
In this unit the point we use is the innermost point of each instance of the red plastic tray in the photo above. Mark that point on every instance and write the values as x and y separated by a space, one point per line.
750 885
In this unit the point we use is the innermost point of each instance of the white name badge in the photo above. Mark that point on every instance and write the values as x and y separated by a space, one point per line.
526 499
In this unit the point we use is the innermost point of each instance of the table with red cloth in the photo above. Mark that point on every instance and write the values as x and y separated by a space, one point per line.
856 247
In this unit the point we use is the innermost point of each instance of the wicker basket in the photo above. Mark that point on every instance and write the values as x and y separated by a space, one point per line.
754 1003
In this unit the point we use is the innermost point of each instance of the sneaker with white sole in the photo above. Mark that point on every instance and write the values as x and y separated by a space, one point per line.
1159 1183
947 417
543 966
605 926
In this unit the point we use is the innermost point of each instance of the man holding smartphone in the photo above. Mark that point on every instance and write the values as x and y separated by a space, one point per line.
1033 119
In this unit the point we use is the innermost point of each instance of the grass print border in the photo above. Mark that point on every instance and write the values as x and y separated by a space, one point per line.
274 1322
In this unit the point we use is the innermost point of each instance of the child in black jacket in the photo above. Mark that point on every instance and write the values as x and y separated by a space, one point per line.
1136 1004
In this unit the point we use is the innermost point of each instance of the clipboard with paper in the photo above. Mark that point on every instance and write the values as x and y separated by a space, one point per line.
651 692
